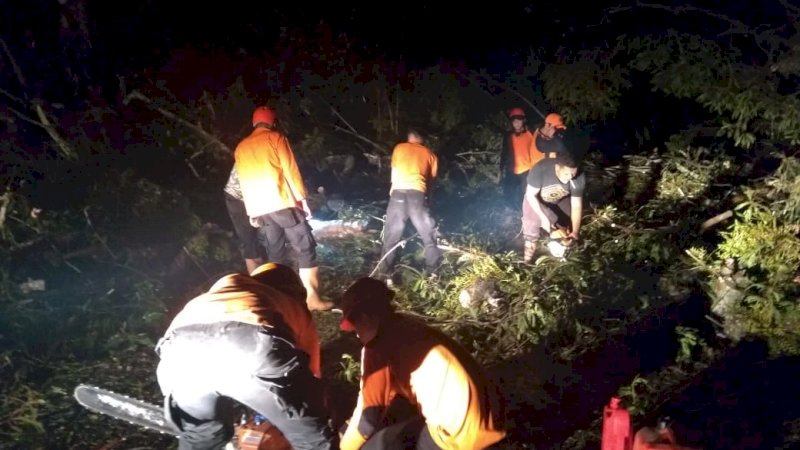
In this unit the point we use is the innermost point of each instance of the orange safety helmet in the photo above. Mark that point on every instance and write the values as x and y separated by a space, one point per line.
516 112
555 120
264 114
281 278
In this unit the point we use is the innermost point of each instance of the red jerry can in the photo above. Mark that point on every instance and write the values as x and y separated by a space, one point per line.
616 427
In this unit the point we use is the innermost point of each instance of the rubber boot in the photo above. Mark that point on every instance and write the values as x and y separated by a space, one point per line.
529 248
310 278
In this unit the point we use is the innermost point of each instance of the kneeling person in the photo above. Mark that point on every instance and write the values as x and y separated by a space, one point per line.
403 357
553 200
249 339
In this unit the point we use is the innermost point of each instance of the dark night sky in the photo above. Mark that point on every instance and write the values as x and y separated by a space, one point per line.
127 37
136 31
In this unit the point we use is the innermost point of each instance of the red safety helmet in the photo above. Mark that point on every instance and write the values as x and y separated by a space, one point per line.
516 112
264 114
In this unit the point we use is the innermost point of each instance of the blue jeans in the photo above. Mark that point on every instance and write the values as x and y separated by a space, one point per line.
205 368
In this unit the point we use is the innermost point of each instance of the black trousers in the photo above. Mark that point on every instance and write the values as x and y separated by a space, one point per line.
404 205
289 225
205 368
247 234
410 434
514 186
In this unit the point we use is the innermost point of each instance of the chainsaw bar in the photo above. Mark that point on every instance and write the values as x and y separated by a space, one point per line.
118 406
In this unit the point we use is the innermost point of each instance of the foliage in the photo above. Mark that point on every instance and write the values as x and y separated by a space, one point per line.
753 271
745 98
690 345
350 369
19 410
639 252
587 87
688 172
637 395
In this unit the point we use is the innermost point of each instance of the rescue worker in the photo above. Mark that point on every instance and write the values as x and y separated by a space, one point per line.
553 200
251 340
414 167
519 155
549 139
403 358
275 198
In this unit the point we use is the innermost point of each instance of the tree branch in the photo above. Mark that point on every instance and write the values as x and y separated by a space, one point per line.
716 219
737 26
5 200
136 95
358 136
339 115
477 77
10 57
66 148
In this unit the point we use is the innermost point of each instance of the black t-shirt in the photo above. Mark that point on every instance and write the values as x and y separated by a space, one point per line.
551 190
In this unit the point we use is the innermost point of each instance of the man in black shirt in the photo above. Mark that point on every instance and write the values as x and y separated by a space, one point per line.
553 200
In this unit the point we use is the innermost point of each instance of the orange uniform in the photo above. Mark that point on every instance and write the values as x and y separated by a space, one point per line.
412 166
268 174
413 360
524 153
240 298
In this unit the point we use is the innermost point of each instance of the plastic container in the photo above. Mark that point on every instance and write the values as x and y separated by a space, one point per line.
616 427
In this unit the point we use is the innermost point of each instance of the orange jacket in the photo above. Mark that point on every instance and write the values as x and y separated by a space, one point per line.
524 153
411 359
240 298
268 174
412 166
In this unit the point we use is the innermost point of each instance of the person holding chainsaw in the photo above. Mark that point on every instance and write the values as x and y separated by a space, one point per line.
553 201
251 340
275 198
405 360
414 167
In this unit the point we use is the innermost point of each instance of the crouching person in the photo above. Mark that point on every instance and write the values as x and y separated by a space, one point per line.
403 358
553 200
251 340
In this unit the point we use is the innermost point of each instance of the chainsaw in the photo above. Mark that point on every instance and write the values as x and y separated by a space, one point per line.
559 243
252 431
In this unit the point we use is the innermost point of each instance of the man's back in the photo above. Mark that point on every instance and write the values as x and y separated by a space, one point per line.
412 166
239 298
268 174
